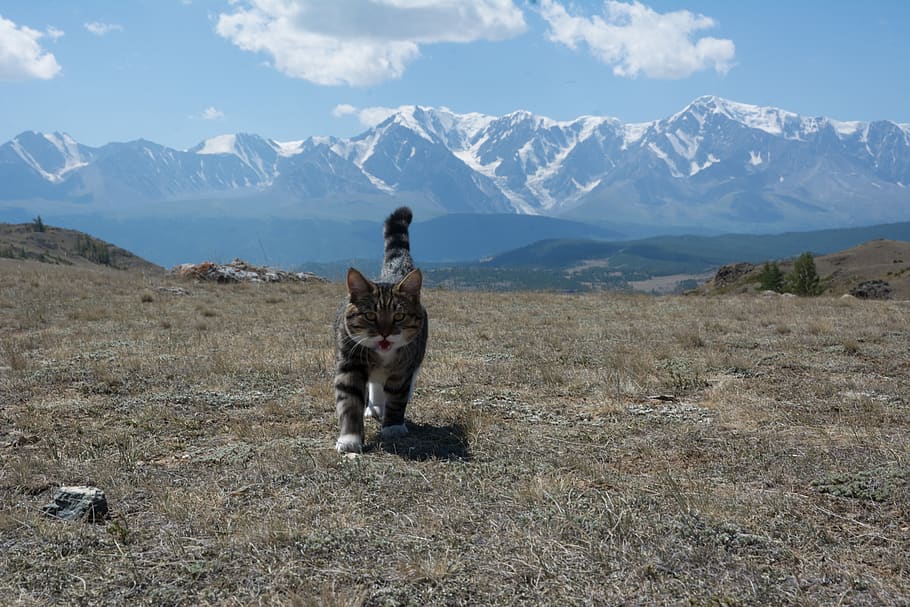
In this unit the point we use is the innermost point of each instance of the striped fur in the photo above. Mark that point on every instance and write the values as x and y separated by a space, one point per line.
380 341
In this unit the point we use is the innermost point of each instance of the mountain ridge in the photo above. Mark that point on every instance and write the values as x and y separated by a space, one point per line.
717 163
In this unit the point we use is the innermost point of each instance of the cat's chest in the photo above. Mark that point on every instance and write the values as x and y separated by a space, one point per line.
384 361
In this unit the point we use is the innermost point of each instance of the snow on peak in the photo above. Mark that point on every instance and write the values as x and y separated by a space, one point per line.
847 129
247 148
769 119
291 148
633 132
441 124
70 156
536 121
772 120
407 116
220 144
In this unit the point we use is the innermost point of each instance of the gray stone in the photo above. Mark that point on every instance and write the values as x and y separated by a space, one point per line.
240 271
78 503
731 273
872 289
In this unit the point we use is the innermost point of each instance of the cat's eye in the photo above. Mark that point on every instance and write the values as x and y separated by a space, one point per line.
370 316
399 316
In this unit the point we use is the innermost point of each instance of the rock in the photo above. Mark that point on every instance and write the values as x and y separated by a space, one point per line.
179 291
78 503
240 271
872 289
730 273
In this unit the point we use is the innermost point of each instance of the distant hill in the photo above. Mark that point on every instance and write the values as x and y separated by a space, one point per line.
49 244
840 272
463 237
662 264
672 254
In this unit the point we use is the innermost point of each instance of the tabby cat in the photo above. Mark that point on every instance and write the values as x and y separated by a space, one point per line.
380 341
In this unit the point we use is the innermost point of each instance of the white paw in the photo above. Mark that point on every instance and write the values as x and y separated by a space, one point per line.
349 443
374 412
394 431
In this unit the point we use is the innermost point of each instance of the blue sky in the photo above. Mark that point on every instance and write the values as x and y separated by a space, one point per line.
179 71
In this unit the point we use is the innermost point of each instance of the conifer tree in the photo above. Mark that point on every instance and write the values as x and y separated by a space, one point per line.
804 280
771 278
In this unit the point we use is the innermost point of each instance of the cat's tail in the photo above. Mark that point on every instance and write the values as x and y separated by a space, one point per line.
397 260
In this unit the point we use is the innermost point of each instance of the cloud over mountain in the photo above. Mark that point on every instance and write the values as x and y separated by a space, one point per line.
211 113
635 39
368 116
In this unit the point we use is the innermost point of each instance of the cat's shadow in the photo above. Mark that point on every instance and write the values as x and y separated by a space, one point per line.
425 442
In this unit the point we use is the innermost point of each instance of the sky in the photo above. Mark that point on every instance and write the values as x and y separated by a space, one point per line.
179 71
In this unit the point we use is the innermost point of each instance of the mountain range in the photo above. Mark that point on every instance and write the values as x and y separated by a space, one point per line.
717 165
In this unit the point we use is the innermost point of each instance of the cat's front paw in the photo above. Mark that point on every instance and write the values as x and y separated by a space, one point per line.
349 443
373 411
394 431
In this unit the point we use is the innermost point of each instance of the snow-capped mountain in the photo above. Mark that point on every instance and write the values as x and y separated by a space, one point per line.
716 163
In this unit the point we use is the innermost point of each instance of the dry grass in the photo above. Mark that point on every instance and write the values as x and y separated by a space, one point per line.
541 468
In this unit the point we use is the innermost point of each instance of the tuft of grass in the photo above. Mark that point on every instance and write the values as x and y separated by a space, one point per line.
851 346
690 338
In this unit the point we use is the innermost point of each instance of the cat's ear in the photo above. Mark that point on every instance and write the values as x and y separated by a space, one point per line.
410 284
358 286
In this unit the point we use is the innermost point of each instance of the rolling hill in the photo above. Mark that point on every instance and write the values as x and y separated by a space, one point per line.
690 253
659 264
841 271
48 244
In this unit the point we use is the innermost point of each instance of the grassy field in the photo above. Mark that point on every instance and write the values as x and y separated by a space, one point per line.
565 450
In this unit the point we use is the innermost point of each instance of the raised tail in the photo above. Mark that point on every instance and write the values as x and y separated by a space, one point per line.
397 260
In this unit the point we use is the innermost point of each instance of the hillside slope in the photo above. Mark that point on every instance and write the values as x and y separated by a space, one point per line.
67 247
840 272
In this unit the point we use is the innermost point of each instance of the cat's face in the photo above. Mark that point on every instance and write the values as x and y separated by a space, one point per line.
381 317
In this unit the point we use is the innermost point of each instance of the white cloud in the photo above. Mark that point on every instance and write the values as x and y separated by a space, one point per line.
100 29
21 57
635 39
368 116
371 116
54 34
361 42
343 109
211 113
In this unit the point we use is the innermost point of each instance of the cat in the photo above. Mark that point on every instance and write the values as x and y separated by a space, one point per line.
380 341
